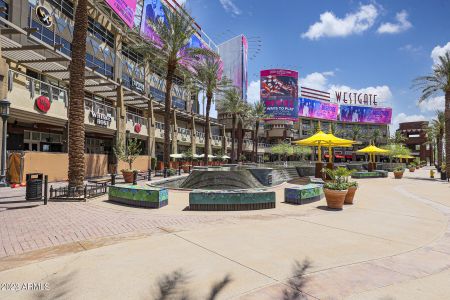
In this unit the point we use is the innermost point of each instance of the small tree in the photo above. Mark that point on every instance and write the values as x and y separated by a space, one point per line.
128 152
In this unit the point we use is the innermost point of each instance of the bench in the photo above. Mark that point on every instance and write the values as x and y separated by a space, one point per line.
382 173
100 181
140 196
231 200
366 174
303 194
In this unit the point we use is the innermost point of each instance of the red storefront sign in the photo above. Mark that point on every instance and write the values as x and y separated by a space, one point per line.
43 103
137 128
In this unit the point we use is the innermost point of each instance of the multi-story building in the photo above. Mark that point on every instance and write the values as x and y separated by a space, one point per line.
122 96
417 139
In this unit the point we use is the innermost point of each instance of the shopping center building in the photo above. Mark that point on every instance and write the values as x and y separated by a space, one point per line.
122 96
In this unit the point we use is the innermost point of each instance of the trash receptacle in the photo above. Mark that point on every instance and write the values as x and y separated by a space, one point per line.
34 186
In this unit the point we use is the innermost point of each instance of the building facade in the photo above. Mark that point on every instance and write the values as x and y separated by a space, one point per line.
123 98
416 139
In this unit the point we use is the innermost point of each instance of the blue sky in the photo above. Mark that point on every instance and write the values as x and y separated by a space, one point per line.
370 46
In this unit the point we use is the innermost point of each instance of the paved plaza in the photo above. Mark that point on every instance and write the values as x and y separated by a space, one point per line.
393 243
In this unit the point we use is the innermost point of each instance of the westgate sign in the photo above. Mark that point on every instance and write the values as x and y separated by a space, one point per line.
356 98
101 119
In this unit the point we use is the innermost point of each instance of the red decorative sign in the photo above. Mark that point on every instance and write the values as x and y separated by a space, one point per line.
137 127
43 103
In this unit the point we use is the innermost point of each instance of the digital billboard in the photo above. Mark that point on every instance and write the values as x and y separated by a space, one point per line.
310 108
365 114
279 93
125 9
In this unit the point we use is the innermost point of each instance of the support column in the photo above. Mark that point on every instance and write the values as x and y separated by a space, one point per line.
150 133
121 122
193 135
224 141
174 132
210 140
3 123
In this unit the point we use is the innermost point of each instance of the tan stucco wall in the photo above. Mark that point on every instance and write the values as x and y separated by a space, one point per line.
55 165
141 163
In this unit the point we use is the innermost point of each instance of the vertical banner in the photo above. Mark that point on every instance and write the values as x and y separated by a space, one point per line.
125 9
365 114
279 93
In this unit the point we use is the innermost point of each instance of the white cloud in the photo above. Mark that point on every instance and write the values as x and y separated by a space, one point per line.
402 117
402 24
353 23
439 51
316 80
229 6
383 92
432 104
253 91
411 49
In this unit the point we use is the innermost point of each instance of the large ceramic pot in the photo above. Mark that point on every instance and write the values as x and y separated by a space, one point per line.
350 195
443 176
127 176
412 170
335 198
398 175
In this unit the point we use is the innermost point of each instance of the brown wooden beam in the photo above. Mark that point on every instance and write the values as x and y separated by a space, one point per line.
48 59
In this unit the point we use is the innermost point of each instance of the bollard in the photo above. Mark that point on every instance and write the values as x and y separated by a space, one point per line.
165 172
179 170
113 179
45 189
135 177
84 192
149 174
51 191
189 169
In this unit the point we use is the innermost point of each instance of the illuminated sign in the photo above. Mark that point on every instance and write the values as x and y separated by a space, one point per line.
43 103
356 98
44 16
101 119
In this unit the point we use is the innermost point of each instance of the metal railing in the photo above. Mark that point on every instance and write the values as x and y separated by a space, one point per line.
99 107
38 87
136 119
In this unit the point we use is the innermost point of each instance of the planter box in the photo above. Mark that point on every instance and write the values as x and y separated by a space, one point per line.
303 194
373 174
231 200
382 173
140 196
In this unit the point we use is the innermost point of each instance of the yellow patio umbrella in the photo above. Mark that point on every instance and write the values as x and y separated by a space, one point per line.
322 139
403 156
372 150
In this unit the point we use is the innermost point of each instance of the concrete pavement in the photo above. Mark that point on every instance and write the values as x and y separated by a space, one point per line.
392 243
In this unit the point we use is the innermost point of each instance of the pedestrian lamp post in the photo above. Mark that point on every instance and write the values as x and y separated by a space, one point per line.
4 113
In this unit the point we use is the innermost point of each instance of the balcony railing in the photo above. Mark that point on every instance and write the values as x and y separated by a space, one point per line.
136 119
37 87
99 107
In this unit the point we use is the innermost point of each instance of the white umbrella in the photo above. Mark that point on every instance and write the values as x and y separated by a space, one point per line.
226 157
209 156
196 156
177 155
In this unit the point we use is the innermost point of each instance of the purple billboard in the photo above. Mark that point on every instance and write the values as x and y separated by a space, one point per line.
125 9
310 108
365 114
279 93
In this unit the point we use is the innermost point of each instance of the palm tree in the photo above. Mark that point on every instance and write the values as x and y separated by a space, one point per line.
259 113
356 134
175 58
233 104
438 129
438 82
209 75
397 138
376 133
76 101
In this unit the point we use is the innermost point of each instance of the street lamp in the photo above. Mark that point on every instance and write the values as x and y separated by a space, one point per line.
4 113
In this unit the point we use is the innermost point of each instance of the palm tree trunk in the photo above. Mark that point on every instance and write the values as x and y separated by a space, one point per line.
233 134
439 151
76 91
240 140
447 132
167 115
354 153
256 140
207 141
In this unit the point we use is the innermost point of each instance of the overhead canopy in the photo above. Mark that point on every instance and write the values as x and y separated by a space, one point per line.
177 155
322 139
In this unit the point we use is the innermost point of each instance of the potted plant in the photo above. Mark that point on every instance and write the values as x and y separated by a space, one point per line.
188 156
128 152
398 172
352 187
443 172
412 167
336 189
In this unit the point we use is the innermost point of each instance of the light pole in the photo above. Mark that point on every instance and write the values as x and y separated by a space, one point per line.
4 113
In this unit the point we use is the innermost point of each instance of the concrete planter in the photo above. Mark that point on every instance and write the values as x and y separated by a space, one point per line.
398 175
350 195
335 198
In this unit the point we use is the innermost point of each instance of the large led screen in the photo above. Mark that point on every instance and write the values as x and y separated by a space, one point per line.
125 9
310 108
365 114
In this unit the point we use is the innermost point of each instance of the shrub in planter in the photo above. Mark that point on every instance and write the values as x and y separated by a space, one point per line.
336 190
128 152
352 187
398 172
412 167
